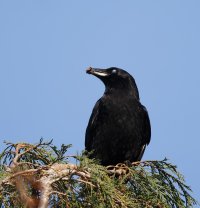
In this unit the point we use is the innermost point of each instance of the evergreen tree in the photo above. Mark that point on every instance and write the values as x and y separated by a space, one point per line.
41 176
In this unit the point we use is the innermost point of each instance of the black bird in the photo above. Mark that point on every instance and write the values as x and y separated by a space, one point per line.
119 127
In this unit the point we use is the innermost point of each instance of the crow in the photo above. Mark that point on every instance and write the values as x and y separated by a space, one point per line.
119 127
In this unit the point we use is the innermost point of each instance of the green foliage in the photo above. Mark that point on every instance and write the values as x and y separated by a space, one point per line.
29 173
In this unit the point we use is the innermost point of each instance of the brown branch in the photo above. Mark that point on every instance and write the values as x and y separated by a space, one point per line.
19 147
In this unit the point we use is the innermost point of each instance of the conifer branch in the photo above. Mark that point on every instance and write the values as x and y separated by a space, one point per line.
41 176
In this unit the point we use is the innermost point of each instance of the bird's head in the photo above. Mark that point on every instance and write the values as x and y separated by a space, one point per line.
115 79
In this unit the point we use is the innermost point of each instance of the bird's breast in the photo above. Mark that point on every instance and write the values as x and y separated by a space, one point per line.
119 111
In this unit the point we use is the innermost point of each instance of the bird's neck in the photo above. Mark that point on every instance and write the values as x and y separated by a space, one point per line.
119 93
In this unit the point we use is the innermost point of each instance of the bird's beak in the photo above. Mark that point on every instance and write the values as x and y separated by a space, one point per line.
96 72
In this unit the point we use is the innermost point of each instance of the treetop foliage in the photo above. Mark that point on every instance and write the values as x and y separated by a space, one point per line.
41 176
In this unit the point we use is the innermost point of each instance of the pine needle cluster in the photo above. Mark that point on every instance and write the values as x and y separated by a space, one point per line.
41 176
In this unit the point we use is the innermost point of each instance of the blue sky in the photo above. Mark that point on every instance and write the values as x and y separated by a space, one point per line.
45 47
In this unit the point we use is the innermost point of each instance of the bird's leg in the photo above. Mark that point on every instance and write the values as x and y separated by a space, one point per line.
128 163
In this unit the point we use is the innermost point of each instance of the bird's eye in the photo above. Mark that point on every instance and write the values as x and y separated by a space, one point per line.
114 71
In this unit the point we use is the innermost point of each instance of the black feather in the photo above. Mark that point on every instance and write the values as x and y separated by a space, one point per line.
119 127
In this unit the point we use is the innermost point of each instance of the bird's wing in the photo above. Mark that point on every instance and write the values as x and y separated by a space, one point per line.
147 127
92 124
145 132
